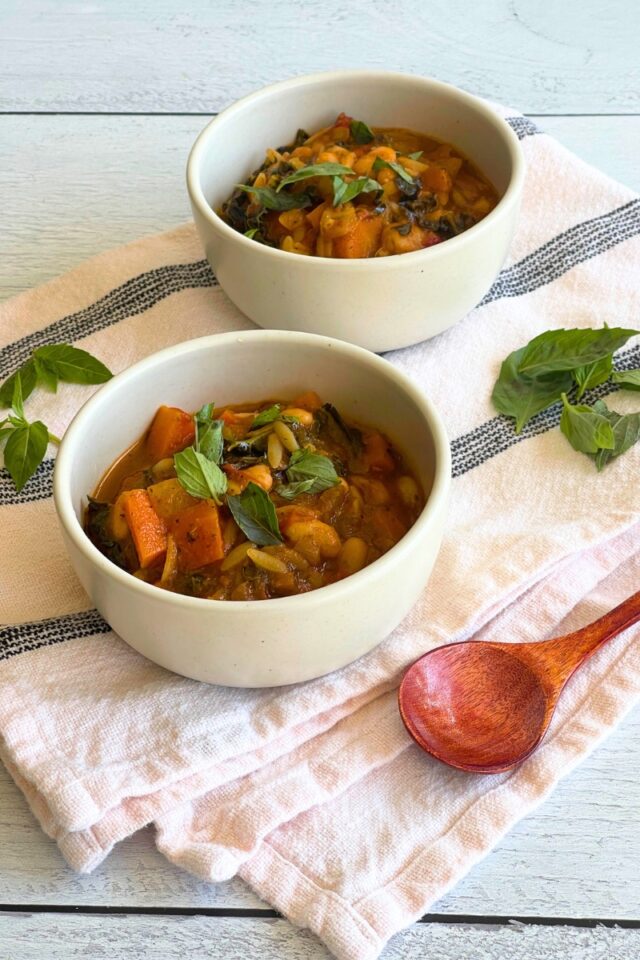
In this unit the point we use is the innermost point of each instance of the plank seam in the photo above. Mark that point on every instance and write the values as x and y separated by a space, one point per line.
251 913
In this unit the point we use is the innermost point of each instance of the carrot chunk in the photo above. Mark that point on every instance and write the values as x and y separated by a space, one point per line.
376 453
172 430
198 536
147 529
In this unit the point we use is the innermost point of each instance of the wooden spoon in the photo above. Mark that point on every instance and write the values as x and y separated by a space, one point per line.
484 706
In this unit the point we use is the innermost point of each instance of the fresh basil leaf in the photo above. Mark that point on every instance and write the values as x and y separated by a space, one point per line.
585 429
271 200
361 132
28 381
71 364
266 416
627 379
203 416
380 164
209 441
256 516
594 374
250 234
416 155
305 465
522 397
46 377
25 450
212 441
200 477
343 192
16 400
626 432
557 350
292 490
315 170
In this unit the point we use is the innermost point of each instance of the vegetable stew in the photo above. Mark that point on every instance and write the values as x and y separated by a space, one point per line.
253 501
351 191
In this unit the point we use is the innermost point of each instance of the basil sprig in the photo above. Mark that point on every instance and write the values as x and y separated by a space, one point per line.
197 467
361 132
26 443
545 370
53 363
315 170
380 164
343 192
255 514
272 200
308 472
535 376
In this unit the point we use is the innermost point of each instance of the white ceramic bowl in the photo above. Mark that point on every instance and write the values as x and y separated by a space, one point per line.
267 642
380 303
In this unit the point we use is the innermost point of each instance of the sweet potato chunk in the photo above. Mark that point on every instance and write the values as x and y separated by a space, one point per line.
172 430
169 497
146 527
198 536
363 240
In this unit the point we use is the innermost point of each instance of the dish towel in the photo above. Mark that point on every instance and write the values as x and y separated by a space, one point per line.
314 793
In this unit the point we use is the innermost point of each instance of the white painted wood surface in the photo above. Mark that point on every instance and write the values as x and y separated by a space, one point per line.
162 55
74 185
65 937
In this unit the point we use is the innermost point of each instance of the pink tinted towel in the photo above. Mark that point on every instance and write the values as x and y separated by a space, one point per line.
314 793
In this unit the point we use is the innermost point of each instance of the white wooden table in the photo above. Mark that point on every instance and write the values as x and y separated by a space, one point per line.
99 102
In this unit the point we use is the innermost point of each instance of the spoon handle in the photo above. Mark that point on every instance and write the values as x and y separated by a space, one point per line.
564 654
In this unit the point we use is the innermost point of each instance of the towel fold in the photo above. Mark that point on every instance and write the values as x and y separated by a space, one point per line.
314 793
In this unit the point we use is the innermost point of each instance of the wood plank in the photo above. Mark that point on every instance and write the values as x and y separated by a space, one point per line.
67 937
75 186
164 55
576 856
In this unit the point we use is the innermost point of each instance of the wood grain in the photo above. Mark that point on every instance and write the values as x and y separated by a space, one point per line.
75 186
162 55
68 937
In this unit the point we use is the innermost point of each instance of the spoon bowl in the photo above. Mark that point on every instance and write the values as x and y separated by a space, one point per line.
485 707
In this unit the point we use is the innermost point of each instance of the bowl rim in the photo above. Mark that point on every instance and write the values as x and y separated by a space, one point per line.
508 198
69 447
